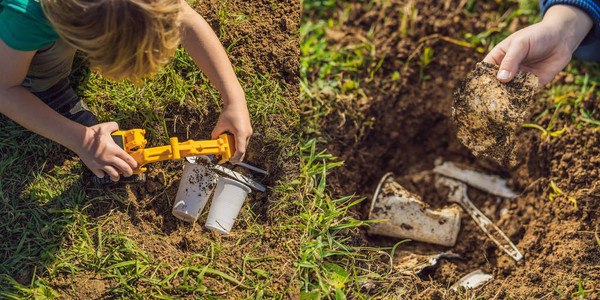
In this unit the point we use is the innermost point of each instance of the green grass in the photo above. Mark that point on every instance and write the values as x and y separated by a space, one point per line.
331 264
569 103
38 205
484 41
181 83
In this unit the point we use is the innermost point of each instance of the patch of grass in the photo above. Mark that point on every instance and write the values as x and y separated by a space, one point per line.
271 107
320 8
114 256
36 207
331 263
484 41
570 102
329 71
155 100
181 83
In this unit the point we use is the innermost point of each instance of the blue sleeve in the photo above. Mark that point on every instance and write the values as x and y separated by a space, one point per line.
25 30
591 7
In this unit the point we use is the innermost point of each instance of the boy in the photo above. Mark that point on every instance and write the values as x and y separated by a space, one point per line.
569 27
122 39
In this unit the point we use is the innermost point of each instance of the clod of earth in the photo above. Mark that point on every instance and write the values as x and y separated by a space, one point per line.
488 112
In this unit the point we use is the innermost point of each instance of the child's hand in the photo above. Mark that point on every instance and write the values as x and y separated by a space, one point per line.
235 119
544 48
101 155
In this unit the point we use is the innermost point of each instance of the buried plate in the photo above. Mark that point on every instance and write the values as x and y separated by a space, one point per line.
472 280
488 183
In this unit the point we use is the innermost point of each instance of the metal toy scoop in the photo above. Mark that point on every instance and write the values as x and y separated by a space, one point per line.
458 194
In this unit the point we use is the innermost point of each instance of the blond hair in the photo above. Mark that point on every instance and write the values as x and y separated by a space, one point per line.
123 39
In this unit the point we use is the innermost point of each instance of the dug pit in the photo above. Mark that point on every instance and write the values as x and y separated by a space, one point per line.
407 124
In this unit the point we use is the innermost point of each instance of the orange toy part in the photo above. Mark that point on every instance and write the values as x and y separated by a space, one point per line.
133 142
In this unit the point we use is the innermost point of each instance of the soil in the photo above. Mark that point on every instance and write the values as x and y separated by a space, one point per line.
489 112
263 43
407 125
266 43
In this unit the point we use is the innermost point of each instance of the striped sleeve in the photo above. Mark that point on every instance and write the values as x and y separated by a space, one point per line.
591 7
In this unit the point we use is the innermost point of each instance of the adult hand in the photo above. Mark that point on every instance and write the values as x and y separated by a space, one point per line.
543 49
235 119
101 155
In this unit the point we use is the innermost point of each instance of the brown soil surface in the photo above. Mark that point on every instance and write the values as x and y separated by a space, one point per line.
265 43
408 125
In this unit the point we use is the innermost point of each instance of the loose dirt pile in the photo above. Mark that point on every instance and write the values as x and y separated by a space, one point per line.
407 123
489 112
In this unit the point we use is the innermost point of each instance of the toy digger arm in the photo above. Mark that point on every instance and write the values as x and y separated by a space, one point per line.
133 142
223 146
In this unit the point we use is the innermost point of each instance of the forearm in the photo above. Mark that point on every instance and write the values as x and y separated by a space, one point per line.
200 41
573 23
26 109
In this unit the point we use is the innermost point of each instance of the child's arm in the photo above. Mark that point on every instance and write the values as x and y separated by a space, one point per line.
544 48
93 144
204 47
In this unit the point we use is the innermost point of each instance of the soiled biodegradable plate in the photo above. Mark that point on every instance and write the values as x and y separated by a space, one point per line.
488 112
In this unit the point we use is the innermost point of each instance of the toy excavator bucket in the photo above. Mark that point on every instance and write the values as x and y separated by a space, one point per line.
130 140
228 147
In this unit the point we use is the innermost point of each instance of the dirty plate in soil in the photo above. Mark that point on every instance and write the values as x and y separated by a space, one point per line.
488 112
492 184
472 280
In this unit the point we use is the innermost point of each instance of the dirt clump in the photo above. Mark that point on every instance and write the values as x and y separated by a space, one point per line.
489 112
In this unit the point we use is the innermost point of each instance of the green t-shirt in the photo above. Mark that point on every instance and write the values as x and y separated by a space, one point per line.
23 25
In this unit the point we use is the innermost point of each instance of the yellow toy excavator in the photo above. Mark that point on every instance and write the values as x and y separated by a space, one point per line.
134 143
